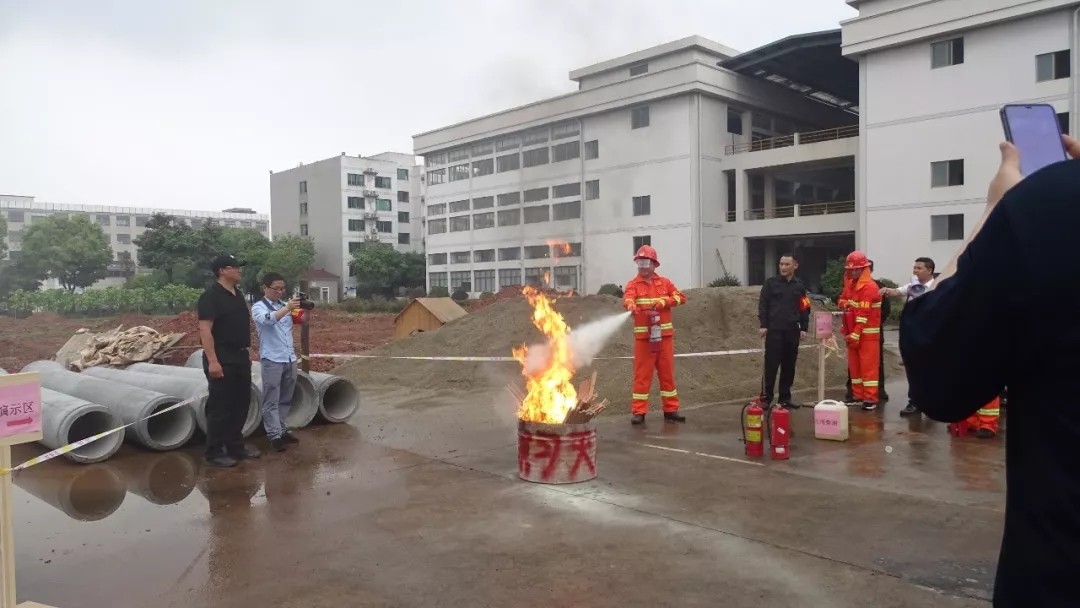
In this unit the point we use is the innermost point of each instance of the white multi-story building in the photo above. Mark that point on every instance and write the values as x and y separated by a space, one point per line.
933 76
686 146
346 201
122 225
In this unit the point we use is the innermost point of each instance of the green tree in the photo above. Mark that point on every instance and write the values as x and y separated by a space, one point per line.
15 276
3 236
290 255
73 250
252 247
179 251
381 269
832 280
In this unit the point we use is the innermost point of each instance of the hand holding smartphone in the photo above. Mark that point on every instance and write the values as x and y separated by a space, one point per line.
1036 133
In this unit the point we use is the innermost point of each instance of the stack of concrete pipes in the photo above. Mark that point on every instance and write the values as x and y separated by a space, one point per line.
80 405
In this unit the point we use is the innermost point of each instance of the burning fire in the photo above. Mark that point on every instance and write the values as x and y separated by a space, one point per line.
550 393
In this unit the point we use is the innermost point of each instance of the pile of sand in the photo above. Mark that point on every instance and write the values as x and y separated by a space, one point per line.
713 319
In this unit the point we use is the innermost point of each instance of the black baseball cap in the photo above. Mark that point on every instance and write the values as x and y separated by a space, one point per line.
224 261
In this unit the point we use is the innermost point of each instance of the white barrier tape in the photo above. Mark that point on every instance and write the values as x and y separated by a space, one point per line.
713 353
60 451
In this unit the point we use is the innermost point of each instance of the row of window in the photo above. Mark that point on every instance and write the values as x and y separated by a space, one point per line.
562 277
18 216
505 144
513 162
357 179
533 195
356 202
354 246
509 217
505 254
1048 66
381 225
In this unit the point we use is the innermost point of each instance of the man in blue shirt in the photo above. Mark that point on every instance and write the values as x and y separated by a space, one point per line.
277 358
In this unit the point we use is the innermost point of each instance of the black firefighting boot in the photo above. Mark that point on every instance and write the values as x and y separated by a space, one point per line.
637 419
674 417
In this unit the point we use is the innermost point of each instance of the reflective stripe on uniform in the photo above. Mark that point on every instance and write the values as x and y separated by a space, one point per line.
876 305
856 380
862 320
869 382
640 301
871 330
664 326
641 329
677 298
854 336
669 393
989 412
639 396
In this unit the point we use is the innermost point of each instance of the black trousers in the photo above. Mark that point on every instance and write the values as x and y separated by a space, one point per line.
781 350
881 371
227 405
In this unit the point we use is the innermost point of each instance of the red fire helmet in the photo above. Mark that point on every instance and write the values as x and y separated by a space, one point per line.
856 259
646 252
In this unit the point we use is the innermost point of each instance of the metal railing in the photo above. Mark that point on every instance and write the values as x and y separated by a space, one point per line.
803 210
786 141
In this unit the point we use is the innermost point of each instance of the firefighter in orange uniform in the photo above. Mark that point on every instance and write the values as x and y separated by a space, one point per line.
650 297
861 305
984 422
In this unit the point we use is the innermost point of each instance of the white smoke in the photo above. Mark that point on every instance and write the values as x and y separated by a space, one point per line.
585 342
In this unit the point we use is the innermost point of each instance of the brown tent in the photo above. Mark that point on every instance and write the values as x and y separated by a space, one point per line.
426 314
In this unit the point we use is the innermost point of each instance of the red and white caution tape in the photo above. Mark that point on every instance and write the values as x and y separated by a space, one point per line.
712 353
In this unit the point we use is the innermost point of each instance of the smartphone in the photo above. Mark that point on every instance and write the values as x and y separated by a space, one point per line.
1035 131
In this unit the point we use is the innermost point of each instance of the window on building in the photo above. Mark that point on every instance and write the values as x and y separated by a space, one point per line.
460 257
566 250
483 167
947 227
536 136
459 223
140 220
403 238
512 142
123 239
261 226
303 208
946 53
384 226
734 122
197 223
639 117
639 69
510 217
356 225
534 158
566 211
484 255
642 205
509 253
564 130
436 226
567 151
15 216
564 190
483 220
303 230
1052 66
592 149
482 148
245 224
383 204
462 279
536 194
438 176
438 158
459 206
537 252
946 173
484 280
484 202
509 198
403 217
355 179
402 196
509 277
403 174
436 259
458 154
104 220
123 220
459 172
355 246
535 215
537 276
592 190
641 241
566 277
230 223
1063 122
508 162
356 202
437 279
438 209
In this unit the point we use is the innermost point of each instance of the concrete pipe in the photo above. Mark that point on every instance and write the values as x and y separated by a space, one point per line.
252 423
161 479
305 401
66 419
89 493
174 386
131 403
338 398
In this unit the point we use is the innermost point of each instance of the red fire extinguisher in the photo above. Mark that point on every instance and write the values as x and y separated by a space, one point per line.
751 425
654 331
779 432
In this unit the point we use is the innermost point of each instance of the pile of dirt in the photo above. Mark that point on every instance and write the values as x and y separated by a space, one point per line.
713 319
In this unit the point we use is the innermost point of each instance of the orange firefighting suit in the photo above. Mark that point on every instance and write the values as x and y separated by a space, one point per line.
640 296
986 418
863 298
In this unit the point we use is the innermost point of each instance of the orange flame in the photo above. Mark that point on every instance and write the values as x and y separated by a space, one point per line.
560 247
550 393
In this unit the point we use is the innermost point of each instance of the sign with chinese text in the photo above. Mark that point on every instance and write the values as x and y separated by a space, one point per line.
20 408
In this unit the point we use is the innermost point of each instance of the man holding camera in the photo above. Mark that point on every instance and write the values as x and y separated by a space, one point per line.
277 357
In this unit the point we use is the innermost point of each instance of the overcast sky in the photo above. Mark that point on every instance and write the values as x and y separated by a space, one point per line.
189 104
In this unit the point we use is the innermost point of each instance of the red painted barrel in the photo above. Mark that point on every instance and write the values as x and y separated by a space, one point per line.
556 453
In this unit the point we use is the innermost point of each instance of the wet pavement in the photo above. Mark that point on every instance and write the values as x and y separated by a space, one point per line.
416 502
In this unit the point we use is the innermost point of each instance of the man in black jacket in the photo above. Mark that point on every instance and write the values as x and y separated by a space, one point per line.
784 317
886 310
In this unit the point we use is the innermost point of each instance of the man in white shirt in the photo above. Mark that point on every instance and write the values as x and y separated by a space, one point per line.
277 358
921 282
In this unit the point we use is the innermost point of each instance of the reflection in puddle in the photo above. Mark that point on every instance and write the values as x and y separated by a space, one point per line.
84 492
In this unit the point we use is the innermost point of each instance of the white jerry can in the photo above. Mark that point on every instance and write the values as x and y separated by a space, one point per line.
831 420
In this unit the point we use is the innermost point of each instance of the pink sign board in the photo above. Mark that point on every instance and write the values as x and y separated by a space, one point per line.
822 324
20 405
827 423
